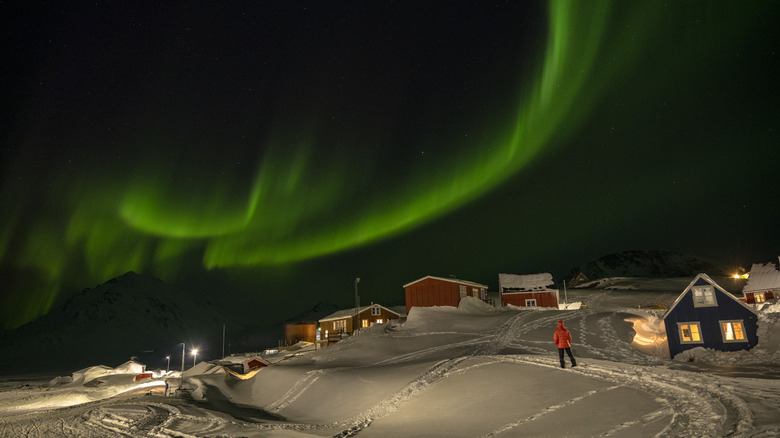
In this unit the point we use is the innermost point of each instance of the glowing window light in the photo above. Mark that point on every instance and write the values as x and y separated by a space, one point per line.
733 331
690 332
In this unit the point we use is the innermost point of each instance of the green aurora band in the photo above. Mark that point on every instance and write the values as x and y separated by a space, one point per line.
282 215
283 218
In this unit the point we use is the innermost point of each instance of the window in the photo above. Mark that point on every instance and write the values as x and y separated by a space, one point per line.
364 323
376 311
733 331
690 333
482 294
462 290
340 325
380 321
530 302
760 297
704 296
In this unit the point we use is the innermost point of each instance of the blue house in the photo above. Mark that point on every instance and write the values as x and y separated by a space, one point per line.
705 315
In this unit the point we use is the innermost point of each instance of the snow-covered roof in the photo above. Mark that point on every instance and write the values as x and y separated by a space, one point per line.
346 313
451 280
762 277
525 283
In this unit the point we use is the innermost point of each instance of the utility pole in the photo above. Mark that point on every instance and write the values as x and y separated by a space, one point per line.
181 379
357 306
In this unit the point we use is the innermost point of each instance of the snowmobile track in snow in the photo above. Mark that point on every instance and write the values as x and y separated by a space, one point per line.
698 406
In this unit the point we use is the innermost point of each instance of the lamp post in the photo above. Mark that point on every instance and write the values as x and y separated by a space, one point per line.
168 367
357 307
194 356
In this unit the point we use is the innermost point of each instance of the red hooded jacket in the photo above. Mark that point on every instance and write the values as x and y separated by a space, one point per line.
562 337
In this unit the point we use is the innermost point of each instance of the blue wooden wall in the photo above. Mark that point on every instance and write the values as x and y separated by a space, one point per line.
728 308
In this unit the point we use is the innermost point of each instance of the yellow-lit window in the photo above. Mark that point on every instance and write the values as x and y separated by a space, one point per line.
733 331
690 332
760 297
380 321
364 323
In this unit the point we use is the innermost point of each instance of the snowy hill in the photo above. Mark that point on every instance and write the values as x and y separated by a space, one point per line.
652 264
130 315
469 371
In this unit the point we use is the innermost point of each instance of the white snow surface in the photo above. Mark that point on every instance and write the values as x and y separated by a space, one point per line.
472 371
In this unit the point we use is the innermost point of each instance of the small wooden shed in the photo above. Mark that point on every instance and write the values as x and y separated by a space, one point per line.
432 291
706 315
532 290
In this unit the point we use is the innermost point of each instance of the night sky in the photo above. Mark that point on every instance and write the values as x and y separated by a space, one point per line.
270 152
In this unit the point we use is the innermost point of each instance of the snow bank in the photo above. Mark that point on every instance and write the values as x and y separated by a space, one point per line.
474 305
770 308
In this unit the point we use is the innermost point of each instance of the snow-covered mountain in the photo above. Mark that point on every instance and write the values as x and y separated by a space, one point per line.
130 315
649 264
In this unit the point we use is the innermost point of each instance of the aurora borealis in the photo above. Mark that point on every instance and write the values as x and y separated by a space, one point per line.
258 147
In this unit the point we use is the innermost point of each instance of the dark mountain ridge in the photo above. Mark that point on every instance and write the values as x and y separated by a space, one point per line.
650 264
130 315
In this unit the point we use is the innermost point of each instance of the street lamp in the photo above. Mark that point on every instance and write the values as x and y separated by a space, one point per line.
168 367
194 356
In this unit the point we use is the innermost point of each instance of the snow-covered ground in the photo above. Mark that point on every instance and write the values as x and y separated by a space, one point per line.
472 371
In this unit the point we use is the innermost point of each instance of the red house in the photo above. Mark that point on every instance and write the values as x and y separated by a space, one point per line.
763 284
436 291
532 290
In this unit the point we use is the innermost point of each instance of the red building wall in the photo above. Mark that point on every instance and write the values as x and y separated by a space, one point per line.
543 299
750 297
434 292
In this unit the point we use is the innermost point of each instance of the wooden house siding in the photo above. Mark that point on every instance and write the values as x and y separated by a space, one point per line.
750 297
432 291
728 308
330 327
543 299
300 331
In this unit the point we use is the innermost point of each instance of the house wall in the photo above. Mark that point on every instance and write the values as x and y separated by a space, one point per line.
384 315
768 295
543 299
433 292
709 319
300 332
330 326
334 334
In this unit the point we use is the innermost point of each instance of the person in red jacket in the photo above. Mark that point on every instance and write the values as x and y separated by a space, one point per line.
562 339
